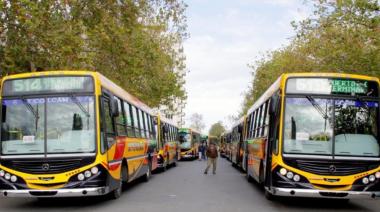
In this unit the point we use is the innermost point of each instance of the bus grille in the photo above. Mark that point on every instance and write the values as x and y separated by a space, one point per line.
47 166
332 168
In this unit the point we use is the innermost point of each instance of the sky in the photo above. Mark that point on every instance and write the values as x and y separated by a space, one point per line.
226 36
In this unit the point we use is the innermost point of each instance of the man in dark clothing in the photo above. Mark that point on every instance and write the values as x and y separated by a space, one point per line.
212 155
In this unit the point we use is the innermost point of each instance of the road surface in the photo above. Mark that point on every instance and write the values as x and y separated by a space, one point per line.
186 188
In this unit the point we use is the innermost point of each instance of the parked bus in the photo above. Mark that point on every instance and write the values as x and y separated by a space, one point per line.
189 141
72 133
237 144
228 139
167 143
316 135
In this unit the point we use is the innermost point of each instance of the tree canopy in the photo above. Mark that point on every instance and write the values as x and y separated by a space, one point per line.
217 129
196 122
136 43
340 36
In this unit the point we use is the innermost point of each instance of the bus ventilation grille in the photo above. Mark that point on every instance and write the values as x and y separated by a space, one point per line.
332 168
40 166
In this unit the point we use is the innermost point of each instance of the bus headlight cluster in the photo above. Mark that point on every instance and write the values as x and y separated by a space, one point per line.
88 173
371 178
8 176
290 175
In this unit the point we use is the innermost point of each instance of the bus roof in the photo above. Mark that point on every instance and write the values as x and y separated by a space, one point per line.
105 82
280 83
188 130
166 120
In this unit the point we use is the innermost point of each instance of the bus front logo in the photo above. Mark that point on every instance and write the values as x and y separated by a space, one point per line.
45 167
332 169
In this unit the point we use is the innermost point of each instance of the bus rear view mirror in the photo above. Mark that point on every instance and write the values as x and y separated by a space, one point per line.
114 108
273 104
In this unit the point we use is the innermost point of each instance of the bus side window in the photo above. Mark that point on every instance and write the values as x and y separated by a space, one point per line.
146 120
120 120
141 123
129 119
109 123
135 121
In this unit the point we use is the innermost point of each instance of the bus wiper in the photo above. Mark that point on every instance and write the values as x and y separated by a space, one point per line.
30 108
75 100
318 107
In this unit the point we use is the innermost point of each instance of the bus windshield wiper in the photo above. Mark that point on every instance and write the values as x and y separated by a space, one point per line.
30 108
318 107
75 100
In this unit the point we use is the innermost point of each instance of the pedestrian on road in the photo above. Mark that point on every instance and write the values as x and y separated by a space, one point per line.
200 151
204 148
212 154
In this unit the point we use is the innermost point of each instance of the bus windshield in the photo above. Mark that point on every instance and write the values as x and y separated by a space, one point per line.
49 125
323 126
185 140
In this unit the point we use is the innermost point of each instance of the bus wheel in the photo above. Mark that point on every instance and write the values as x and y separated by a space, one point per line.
148 174
269 196
116 194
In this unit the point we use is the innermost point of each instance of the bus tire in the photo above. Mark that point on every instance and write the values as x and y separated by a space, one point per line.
148 174
124 173
269 196
116 194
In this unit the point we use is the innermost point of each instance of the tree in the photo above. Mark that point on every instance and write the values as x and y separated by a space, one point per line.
217 129
136 43
196 122
340 36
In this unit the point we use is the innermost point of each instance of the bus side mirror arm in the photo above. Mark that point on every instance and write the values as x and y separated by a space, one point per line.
114 108
274 100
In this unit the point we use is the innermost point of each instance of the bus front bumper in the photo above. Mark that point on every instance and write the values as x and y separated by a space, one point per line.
289 192
78 192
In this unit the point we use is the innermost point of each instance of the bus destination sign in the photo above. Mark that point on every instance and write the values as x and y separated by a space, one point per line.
48 85
331 86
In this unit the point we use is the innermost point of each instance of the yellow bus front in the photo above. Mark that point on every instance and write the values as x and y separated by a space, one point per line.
50 137
328 138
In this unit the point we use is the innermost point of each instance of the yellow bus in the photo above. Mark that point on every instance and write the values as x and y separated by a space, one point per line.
189 140
72 133
167 143
237 139
315 135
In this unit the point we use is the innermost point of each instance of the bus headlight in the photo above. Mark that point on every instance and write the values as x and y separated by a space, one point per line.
365 180
377 175
296 178
80 177
283 171
7 176
372 178
13 179
87 174
289 175
94 170
2 173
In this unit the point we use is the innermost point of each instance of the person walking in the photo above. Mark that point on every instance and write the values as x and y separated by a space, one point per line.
204 148
212 156
200 151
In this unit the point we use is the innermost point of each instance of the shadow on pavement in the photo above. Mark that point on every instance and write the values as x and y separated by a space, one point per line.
72 203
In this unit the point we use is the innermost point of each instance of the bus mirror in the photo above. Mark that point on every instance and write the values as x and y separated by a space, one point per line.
114 108
155 120
273 104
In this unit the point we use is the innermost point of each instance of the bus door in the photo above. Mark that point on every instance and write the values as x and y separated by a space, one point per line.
274 121
115 150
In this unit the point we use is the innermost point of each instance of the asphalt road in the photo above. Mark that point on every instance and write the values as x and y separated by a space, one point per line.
186 188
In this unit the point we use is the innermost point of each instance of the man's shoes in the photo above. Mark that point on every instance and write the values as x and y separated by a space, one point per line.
204 172
213 173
